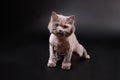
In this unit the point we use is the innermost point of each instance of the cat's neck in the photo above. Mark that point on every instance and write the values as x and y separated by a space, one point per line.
61 38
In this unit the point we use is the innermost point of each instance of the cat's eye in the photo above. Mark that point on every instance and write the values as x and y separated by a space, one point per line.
57 25
65 26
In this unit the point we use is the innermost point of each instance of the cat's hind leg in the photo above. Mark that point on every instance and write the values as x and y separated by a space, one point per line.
81 51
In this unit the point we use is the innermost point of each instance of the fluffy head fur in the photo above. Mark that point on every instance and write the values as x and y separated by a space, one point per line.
61 25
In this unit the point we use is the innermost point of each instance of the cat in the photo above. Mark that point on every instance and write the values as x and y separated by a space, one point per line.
63 41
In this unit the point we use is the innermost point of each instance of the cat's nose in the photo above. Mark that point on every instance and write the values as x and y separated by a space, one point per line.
60 31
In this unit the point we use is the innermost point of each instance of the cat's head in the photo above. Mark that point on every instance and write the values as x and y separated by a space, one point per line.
60 25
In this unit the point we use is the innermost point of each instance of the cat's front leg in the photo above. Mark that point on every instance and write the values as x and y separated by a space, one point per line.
66 64
52 57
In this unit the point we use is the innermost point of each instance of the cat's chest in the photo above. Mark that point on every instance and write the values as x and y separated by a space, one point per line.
61 47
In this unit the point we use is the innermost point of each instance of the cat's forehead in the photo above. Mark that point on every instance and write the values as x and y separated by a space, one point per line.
62 18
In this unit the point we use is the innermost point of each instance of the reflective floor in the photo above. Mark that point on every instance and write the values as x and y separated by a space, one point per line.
27 59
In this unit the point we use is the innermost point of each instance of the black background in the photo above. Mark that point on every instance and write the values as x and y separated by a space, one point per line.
24 39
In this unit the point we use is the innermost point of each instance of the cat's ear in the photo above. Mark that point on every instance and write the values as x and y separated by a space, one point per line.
71 19
54 16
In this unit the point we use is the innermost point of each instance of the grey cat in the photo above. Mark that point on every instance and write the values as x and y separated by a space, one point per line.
63 41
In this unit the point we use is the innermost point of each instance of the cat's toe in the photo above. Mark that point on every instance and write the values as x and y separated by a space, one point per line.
87 57
51 65
66 66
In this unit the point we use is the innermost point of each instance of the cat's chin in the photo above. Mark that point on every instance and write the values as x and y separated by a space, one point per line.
60 34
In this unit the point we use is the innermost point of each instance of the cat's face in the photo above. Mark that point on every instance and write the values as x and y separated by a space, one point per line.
60 25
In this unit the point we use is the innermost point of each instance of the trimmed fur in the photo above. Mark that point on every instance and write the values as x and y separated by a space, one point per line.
63 41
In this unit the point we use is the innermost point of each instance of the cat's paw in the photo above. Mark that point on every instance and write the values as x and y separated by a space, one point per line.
51 64
66 66
87 57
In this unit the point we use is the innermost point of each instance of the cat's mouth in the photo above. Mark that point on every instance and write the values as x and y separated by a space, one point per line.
60 34
65 34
